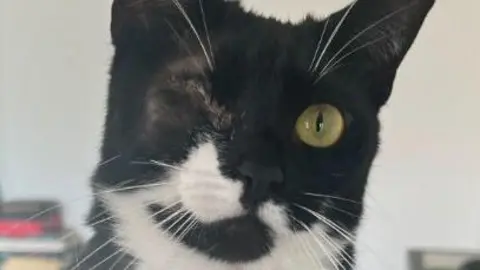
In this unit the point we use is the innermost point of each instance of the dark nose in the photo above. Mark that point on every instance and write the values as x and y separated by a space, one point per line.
261 182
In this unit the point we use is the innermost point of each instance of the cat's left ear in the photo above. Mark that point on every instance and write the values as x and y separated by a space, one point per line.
373 38
157 23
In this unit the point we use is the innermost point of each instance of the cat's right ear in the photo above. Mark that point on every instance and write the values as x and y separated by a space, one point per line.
372 37
158 22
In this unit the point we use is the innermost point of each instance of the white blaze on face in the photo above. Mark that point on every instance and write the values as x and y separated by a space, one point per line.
204 191
199 186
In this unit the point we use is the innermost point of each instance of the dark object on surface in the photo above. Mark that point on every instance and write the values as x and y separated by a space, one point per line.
472 265
426 259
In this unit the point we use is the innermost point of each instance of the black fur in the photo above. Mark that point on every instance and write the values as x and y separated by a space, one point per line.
260 83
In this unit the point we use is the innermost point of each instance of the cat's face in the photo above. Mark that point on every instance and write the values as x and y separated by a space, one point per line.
233 133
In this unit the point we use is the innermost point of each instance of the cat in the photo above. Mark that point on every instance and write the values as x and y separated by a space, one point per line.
238 142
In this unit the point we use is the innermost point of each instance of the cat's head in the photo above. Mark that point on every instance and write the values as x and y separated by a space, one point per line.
245 130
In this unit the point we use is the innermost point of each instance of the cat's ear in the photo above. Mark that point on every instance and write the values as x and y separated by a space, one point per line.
158 22
373 37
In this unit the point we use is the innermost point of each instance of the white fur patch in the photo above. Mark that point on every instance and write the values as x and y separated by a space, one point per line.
294 12
204 191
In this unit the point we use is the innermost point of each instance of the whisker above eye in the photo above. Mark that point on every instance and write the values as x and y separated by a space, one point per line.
319 45
194 30
368 28
205 26
184 44
328 68
334 33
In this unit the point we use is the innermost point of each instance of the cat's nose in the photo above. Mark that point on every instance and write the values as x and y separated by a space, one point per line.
261 181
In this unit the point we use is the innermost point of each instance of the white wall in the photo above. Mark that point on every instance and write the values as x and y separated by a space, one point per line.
427 177
425 185
54 61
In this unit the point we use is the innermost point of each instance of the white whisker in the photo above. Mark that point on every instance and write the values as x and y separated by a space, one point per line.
118 260
57 206
343 211
368 28
177 168
184 44
330 197
132 263
205 26
319 44
191 224
136 187
107 258
107 191
195 32
341 231
84 259
308 249
348 236
171 216
331 258
105 162
164 209
327 69
63 238
337 249
180 228
184 214
334 33
163 164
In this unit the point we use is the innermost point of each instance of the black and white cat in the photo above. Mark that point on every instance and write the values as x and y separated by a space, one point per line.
238 142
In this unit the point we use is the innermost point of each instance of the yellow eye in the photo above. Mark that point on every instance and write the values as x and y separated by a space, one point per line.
320 125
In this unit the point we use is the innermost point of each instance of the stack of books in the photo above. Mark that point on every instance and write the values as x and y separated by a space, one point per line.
32 236
444 259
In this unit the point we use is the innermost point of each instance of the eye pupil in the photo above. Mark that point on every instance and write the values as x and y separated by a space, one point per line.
319 124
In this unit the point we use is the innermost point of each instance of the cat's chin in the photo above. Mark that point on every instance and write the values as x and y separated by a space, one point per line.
235 240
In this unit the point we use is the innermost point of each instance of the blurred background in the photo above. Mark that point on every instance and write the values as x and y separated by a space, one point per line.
424 193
